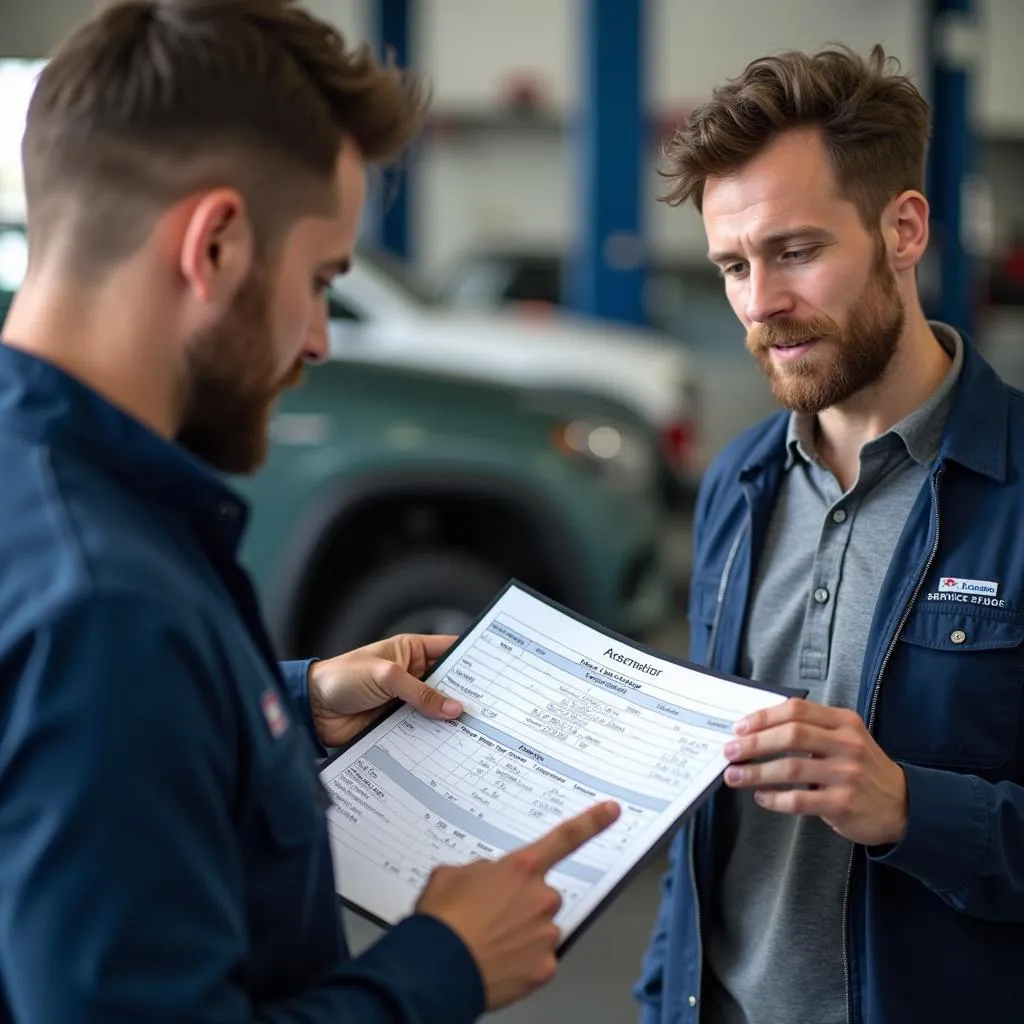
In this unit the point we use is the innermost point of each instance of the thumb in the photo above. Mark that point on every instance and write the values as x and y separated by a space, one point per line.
432 703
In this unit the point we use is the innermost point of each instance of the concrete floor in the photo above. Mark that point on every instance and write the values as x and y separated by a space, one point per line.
594 982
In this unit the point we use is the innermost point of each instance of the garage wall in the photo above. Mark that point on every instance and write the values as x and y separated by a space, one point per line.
488 185
31 28
471 47
517 187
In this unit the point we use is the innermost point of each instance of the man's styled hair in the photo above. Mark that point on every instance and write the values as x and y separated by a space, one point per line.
873 121
154 100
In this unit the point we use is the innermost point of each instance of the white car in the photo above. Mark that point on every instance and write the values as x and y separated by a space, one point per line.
379 313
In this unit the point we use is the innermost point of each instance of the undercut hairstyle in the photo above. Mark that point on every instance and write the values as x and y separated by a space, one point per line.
874 123
154 100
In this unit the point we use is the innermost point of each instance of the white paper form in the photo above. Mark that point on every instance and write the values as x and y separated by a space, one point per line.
558 715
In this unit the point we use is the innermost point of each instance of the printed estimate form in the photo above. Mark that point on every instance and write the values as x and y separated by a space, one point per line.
558 715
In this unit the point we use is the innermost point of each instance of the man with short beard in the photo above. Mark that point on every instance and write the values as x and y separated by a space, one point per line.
195 172
867 546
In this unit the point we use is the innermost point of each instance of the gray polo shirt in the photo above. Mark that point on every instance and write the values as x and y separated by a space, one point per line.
774 934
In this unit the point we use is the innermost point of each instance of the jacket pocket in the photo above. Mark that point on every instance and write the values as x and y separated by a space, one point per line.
284 849
287 796
293 800
952 696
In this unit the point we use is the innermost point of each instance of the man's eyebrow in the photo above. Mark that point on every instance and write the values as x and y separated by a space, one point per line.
778 240
721 256
803 233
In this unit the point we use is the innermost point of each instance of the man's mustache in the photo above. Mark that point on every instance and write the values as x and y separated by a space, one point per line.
790 332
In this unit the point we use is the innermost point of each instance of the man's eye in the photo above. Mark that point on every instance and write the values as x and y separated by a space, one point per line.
733 269
799 255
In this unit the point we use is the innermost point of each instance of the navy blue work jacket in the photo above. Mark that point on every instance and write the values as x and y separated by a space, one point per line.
163 846
933 926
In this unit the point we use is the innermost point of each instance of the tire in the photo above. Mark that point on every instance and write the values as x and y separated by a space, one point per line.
435 591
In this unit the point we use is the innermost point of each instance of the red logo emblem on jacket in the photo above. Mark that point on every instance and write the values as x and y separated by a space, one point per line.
274 713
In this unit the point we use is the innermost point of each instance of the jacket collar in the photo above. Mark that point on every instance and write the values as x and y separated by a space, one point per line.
769 450
975 434
44 405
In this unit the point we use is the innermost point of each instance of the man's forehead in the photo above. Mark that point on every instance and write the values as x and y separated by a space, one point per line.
773 200
771 220
329 234
792 172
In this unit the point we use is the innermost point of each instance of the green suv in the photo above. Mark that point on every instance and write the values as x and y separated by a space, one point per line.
396 500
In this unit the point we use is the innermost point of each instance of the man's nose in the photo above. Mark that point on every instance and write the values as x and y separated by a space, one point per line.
317 344
766 296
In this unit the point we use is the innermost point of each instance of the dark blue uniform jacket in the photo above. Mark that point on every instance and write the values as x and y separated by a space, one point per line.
163 849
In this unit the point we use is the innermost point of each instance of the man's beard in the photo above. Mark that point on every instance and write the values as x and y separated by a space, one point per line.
843 362
231 384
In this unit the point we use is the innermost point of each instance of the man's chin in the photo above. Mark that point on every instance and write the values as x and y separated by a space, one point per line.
233 457
246 464
807 395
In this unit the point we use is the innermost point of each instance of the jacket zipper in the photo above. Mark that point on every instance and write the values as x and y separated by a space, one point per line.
719 603
696 910
872 707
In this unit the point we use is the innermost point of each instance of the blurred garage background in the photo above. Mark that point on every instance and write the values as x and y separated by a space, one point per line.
532 361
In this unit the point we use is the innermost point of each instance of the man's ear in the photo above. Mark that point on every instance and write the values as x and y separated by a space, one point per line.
217 247
905 229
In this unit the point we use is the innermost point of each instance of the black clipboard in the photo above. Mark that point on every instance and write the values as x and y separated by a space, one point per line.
396 707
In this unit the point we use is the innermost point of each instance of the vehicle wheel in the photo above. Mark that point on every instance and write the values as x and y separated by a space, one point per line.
429 592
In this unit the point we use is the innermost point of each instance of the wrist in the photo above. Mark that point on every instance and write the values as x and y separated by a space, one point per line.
302 692
313 697
900 820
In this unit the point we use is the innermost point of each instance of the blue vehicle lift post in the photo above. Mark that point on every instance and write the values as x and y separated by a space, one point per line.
606 272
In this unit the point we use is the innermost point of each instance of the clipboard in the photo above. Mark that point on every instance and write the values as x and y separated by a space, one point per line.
560 713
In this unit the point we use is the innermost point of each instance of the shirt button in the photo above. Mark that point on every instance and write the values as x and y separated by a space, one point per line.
958 636
821 595
226 511
692 1000
839 516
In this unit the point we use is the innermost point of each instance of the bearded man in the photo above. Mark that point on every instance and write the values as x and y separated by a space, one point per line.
864 863
195 173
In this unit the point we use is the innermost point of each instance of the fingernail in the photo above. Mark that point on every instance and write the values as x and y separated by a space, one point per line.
733 774
741 726
451 708
732 748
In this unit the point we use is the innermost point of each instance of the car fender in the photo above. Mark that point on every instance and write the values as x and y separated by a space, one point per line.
311 535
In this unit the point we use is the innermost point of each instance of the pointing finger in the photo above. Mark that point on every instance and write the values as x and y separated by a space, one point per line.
566 838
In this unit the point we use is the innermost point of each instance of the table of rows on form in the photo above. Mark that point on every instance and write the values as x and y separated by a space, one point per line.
546 733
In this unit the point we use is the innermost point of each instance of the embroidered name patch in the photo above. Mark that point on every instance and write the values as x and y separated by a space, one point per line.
955 585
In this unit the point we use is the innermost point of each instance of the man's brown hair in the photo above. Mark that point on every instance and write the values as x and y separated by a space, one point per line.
153 100
873 121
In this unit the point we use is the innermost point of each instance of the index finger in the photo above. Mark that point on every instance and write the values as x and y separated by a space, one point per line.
565 839
796 709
